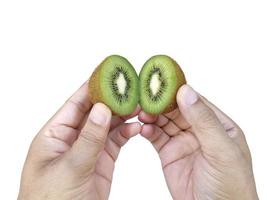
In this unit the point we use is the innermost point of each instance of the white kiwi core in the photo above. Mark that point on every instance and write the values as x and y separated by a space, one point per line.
121 83
155 83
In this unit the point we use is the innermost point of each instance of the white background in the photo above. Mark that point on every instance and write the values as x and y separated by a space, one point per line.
49 48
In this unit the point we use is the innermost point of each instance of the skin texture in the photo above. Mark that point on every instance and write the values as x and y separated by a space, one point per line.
204 154
73 155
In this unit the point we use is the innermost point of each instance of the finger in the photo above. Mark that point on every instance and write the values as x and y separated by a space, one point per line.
183 145
60 131
63 133
147 118
161 121
227 122
73 111
116 139
178 119
155 135
44 149
205 124
230 127
92 137
168 126
135 113
117 120
119 136
171 129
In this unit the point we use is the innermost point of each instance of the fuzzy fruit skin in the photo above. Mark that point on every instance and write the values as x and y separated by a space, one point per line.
181 81
95 92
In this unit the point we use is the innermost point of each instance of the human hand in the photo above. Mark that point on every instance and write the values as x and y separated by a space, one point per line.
204 154
73 155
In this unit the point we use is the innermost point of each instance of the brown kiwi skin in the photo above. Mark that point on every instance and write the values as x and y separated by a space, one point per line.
95 93
94 86
181 78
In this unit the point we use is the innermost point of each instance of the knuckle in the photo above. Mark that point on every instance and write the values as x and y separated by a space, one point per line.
50 132
92 137
77 104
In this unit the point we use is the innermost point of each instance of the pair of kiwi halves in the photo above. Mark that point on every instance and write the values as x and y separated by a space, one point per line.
116 84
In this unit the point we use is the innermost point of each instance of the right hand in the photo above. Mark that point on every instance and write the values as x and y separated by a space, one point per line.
74 154
204 154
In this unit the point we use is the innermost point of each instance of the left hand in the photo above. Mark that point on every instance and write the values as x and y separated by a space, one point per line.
203 152
73 155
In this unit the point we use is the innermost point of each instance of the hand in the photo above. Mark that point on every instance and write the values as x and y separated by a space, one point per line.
204 154
73 156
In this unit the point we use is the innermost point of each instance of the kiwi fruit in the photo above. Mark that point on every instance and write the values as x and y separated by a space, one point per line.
115 83
159 80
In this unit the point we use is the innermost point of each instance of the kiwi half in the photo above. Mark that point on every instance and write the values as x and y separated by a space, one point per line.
115 83
159 80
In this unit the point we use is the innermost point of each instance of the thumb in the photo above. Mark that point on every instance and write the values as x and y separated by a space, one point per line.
203 121
92 138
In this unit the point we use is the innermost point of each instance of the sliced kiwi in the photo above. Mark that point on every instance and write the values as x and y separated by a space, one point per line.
159 80
115 83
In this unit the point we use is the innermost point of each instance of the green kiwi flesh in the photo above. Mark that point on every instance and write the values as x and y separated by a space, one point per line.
159 80
115 83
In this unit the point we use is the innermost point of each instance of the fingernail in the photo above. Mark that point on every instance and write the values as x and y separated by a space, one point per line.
100 114
190 96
